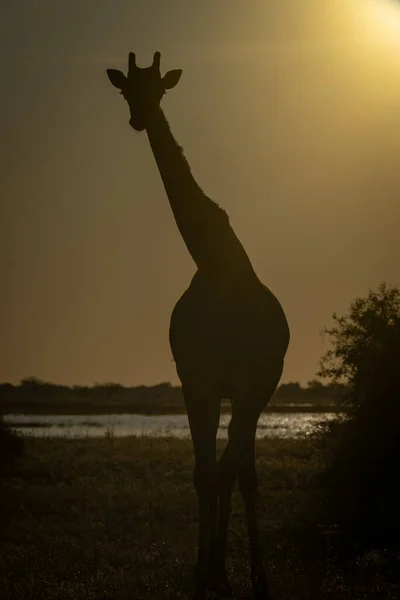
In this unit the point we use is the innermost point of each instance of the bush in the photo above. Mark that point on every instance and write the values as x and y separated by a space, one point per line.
11 446
362 491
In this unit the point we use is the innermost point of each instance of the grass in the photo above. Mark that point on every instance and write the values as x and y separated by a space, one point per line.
115 519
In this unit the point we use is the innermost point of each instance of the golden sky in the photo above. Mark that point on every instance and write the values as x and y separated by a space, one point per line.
289 114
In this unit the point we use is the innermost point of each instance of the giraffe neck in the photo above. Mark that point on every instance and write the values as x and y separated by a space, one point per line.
204 226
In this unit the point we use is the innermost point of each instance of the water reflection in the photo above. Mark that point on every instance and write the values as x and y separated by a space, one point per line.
270 425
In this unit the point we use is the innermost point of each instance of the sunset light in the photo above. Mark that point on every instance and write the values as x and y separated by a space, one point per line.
384 19
200 300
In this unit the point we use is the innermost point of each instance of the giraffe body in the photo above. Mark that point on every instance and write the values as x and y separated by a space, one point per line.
228 336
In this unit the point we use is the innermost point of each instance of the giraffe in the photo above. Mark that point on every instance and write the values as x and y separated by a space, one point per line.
228 336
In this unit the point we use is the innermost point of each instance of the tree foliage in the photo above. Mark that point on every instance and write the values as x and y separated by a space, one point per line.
366 341
364 488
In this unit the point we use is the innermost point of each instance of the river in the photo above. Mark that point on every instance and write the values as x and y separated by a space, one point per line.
270 425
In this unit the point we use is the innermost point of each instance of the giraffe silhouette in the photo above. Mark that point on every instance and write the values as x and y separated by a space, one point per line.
228 336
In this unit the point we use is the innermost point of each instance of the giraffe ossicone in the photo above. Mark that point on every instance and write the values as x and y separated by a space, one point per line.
143 88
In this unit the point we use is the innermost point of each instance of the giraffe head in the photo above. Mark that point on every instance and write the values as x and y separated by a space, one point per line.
143 88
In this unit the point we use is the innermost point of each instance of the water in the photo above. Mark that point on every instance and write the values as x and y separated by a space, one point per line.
270 425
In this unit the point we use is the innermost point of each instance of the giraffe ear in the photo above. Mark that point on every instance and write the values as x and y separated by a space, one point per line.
171 78
117 78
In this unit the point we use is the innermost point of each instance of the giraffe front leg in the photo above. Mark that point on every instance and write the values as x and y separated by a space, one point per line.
203 413
205 485
248 490
226 480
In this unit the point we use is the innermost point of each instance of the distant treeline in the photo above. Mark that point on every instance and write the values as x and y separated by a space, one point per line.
32 394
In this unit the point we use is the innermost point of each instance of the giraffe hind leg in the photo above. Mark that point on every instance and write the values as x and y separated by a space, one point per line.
248 491
238 461
232 463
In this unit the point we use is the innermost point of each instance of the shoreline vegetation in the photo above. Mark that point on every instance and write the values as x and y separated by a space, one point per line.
116 518
35 397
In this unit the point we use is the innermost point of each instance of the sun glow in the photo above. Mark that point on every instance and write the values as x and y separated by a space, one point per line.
385 19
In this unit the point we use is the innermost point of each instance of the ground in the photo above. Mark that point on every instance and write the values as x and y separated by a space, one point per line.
115 519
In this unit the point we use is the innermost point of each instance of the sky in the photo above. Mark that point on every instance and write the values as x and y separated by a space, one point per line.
289 115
